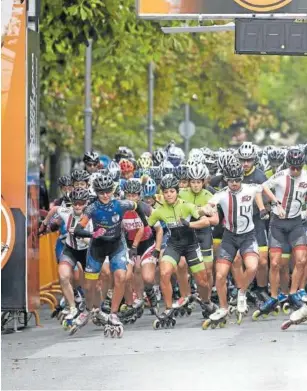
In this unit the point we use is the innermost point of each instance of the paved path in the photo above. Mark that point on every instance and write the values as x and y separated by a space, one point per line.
253 356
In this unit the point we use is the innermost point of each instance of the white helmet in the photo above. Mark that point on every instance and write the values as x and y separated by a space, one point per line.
192 162
247 151
196 154
199 171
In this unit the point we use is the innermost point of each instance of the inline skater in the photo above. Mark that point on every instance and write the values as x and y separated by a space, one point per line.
106 214
253 175
236 202
181 173
198 196
183 241
290 186
144 247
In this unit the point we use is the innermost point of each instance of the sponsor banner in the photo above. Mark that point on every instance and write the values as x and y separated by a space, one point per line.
33 171
13 155
219 7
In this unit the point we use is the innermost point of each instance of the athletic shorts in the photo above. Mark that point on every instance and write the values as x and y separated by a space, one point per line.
72 256
97 253
204 238
232 243
191 252
261 233
144 253
286 231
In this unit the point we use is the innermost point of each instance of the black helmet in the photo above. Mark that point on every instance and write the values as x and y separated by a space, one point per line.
103 182
158 156
79 194
132 186
232 171
295 157
91 157
117 190
181 172
64 180
156 174
169 181
80 175
123 153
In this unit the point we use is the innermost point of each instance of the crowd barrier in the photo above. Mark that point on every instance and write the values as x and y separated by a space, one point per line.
48 270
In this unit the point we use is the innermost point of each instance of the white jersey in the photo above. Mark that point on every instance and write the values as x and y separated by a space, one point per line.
290 191
70 220
237 207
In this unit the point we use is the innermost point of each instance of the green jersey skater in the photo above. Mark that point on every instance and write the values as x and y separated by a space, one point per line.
177 215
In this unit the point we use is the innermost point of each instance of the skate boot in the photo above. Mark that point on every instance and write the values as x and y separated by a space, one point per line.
217 319
128 314
80 322
79 299
158 293
176 292
214 296
303 295
297 317
114 327
208 309
139 305
183 306
252 298
193 286
58 309
284 302
152 300
165 320
271 306
69 319
233 295
294 303
263 296
242 307
99 318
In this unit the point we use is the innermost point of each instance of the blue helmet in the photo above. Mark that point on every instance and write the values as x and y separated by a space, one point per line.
149 188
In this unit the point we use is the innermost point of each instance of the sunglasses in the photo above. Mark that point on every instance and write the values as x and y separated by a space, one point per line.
91 164
234 180
247 160
79 203
107 191
294 168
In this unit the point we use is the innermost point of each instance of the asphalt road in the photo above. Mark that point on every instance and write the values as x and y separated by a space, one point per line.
253 356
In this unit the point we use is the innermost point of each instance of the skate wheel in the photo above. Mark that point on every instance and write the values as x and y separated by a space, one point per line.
265 316
286 308
231 310
276 311
120 331
189 311
65 325
213 326
73 330
107 332
156 324
173 323
239 318
206 324
223 324
256 315
182 312
246 311
61 317
176 313
167 324
286 325
113 333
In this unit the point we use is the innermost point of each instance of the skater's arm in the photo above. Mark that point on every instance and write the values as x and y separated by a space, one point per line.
81 232
51 212
201 223
138 236
159 236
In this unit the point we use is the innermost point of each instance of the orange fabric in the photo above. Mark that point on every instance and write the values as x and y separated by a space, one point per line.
48 267
83 221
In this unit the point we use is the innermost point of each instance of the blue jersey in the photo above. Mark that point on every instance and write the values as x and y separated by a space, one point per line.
108 216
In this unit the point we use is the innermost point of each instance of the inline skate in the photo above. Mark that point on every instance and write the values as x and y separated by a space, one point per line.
183 306
241 308
58 310
284 302
80 322
297 317
99 317
293 303
271 306
165 320
114 327
152 301
217 319
127 314
70 318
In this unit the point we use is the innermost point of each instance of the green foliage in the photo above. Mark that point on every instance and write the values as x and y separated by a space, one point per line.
202 65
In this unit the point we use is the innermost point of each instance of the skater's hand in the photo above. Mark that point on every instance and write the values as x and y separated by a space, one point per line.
42 228
156 253
281 211
209 210
184 223
264 214
133 252
99 233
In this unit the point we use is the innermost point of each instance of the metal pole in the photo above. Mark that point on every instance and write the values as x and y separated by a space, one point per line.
150 127
186 121
88 103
